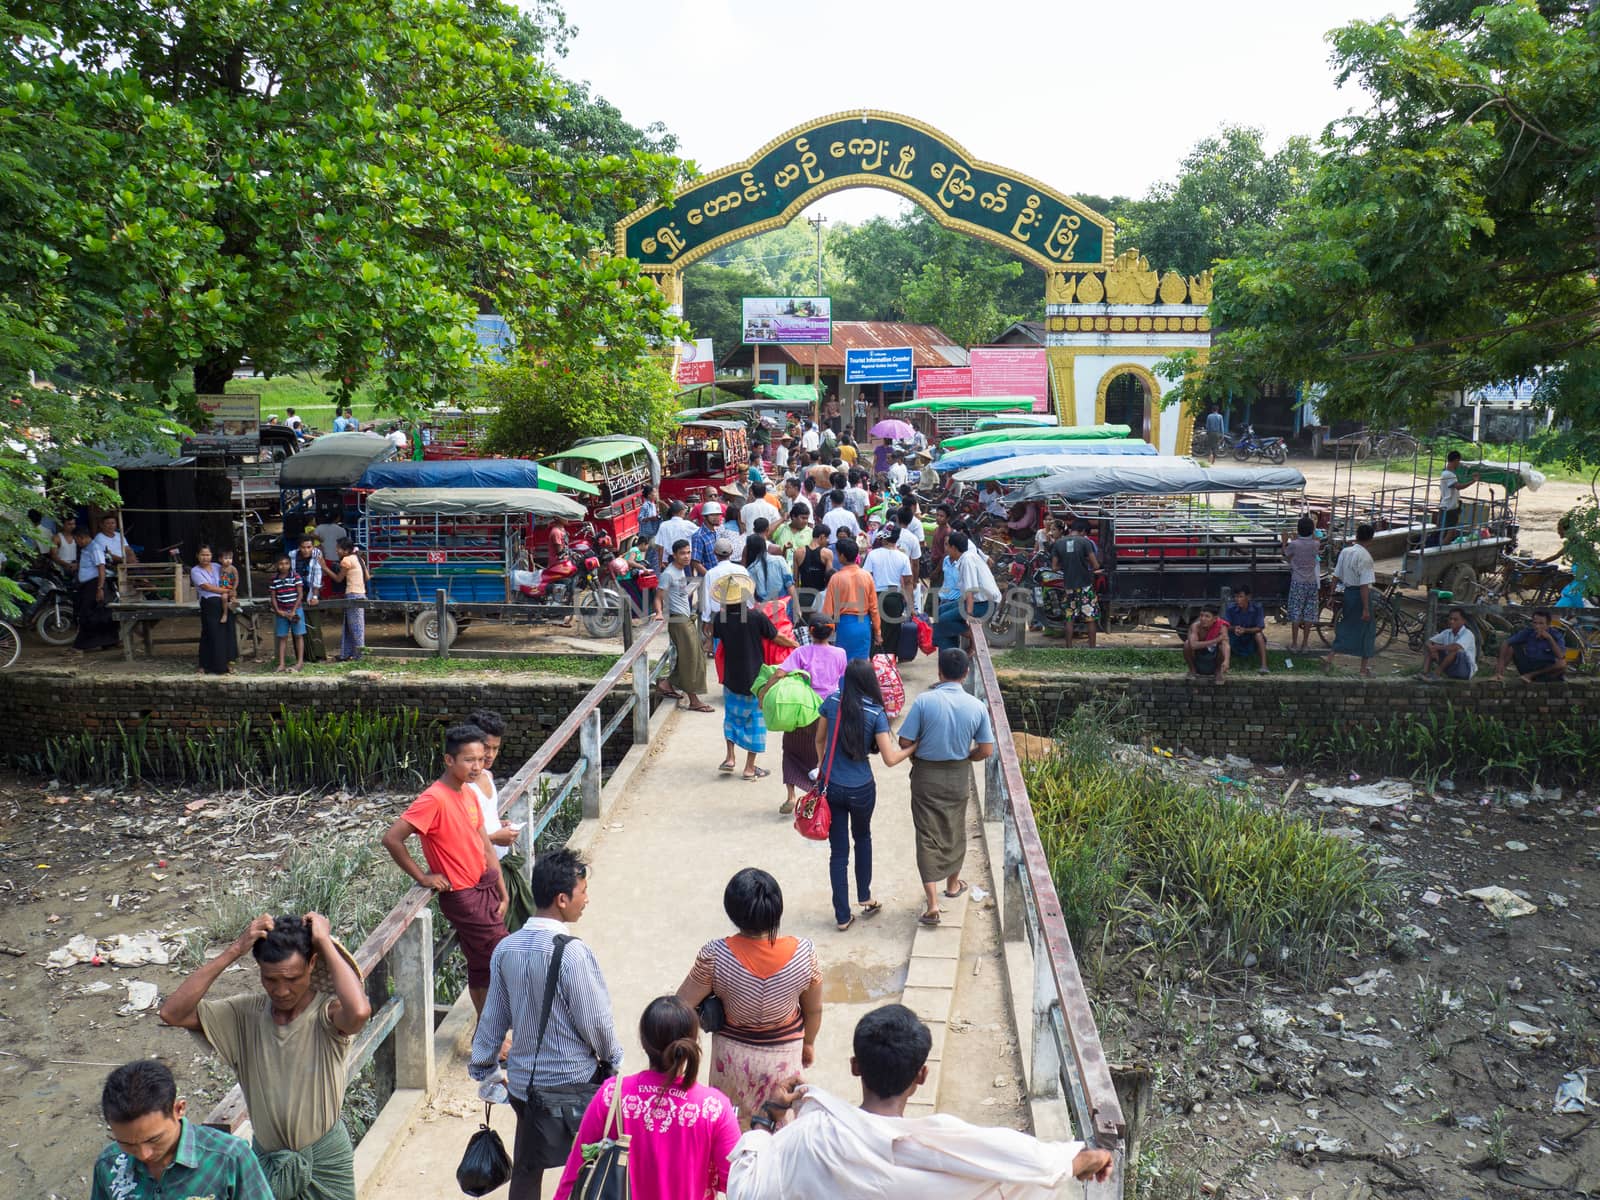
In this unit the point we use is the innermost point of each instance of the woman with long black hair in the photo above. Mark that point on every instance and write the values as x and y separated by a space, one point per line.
853 725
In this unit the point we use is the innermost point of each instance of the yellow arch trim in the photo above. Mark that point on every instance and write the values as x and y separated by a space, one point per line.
1152 393
1108 243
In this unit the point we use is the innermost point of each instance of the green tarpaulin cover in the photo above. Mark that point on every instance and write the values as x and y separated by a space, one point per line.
1071 433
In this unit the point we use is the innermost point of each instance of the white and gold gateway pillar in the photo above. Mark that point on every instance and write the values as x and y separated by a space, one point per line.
1108 329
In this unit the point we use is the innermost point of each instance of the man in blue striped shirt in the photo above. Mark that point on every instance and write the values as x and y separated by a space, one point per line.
580 1047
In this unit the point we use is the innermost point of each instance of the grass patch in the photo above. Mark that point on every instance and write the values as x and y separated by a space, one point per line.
571 666
1440 447
1117 660
1455 743
299 751
310 394
1193 877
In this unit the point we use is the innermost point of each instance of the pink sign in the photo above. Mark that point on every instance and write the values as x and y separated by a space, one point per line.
696 363
1011 371
944 383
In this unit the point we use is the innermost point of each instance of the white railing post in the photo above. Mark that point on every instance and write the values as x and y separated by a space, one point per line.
641 698
1044 1079
589 747
411 967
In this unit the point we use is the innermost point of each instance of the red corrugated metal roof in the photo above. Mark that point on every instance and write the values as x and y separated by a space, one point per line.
930 345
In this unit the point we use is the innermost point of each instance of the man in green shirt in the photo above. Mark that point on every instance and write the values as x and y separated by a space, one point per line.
794 535
157 1153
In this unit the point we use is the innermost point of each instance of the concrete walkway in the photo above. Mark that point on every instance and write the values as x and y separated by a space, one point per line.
659 862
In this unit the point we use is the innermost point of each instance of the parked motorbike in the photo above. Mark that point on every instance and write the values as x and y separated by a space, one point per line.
581 580
50 612
1249 446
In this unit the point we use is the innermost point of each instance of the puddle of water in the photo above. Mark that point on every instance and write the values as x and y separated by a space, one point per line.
857 983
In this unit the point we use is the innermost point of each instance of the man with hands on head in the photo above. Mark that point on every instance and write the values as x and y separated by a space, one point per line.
288 1047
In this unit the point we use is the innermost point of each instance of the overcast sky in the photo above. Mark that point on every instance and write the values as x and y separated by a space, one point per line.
1101 99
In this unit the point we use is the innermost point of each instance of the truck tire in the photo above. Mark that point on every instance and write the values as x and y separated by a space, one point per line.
425 630
1461 581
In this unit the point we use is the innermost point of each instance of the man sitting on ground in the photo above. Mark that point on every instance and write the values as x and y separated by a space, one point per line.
1453 649
828 1148
1247 626
157 1151
1206 649
1540 652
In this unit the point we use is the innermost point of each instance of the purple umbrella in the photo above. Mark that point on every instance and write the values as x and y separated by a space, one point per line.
894 431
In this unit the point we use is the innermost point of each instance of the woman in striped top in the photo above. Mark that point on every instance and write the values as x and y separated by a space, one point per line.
771 993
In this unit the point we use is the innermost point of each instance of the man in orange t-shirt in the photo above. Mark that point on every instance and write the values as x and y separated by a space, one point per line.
464 869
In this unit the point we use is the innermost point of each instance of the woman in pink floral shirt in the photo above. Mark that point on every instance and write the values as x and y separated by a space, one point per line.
681 1131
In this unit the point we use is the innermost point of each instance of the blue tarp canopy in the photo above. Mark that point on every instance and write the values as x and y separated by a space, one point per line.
977 456
1161 477
465 472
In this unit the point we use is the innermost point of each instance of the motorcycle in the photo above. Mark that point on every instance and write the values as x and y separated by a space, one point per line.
581 580
50 612
1250 446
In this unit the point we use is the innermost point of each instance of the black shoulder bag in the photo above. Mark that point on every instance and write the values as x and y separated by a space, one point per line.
556 1111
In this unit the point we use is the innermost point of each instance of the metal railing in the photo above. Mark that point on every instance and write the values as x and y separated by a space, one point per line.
1067 1062
397 958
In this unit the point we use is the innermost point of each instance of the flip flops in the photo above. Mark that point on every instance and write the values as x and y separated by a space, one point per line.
961 890
871 909
761 773
928 918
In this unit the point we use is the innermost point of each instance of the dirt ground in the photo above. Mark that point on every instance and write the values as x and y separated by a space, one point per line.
1427 1069
101 864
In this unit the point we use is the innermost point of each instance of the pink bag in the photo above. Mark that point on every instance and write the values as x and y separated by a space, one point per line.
887 669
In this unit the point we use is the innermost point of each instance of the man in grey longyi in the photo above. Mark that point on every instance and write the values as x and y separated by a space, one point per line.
951 731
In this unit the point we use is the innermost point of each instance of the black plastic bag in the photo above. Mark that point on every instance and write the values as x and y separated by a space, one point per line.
485 1165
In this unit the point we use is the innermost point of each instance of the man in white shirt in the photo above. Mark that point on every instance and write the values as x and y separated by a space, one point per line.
329 532
1356 632
756 507
780 454
1454 650
838 518
989 496
112 544
827 1148
899 473
723 548
811 440
674 529
1449 494
888 565
856 498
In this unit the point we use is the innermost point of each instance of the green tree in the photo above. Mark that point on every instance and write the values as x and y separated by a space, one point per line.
334 192
547 401
962 293
1229 193
713 302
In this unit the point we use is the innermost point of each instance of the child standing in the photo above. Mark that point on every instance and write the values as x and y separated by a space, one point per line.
288 607
353 575
228 576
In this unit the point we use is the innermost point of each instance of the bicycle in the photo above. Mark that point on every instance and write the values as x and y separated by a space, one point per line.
1581 632
10 644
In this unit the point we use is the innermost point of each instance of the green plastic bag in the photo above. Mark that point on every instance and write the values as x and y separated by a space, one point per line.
789 704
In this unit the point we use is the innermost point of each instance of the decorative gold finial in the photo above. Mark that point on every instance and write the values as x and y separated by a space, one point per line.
1200 288
1173 289
1090 290
1060 288
1130 280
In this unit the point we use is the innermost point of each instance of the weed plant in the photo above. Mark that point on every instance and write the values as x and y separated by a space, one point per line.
1112 660
300 750
1198 878
1457 743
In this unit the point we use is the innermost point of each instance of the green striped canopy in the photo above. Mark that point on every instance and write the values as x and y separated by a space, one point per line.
1070 433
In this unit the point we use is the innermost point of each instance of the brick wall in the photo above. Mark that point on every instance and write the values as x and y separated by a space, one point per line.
36 705
1255 716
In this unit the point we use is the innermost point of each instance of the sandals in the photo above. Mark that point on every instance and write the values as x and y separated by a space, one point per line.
846 925
961 890
871 909
760 773
703 708
786 808
725 769
929 919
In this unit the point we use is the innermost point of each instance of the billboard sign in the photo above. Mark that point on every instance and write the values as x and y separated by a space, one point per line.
944 383
232 425
788 321
1012 371
696 363
890 364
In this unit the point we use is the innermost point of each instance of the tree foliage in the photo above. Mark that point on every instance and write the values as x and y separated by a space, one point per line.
1229 194
545 402
1450 235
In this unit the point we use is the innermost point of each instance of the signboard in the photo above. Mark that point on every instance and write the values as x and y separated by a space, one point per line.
944 383
867 149
878 365
697 365
1012 371
788 321
232 425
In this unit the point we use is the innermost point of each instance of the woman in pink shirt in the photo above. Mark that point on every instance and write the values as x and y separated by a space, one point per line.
681 1132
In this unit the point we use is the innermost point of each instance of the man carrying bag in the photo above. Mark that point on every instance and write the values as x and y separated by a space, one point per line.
546 985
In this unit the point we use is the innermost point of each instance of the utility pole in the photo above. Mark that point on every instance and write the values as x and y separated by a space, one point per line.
816 223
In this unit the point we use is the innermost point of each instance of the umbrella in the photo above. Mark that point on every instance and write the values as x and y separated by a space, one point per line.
893 431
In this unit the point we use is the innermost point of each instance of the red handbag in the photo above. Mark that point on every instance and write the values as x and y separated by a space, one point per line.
924 636
887 669
813 818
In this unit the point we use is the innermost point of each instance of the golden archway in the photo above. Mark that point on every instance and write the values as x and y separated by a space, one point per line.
1152 397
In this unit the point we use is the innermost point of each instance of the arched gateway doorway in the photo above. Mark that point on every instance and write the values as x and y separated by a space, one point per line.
1129 396
1096 303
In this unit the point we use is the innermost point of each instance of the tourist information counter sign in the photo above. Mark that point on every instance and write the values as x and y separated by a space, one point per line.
889 364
